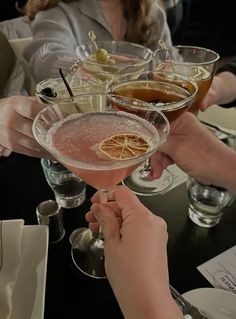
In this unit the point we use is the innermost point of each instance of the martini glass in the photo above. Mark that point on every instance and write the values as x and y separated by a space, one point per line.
123 58
170 93
103 146
196 63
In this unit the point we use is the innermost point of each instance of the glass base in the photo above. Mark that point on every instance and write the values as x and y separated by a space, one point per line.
71 201
203 220
145 187
87 253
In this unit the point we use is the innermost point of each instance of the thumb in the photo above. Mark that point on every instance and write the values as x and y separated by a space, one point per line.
107 220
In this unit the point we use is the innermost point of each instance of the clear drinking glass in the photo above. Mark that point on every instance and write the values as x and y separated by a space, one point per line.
207 203
102 145
123 58
69 189
53 90
165 91
196 63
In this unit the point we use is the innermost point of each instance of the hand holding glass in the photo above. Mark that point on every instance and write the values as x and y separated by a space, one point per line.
102 145
170 93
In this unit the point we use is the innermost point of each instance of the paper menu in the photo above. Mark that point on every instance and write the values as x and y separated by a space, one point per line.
220 271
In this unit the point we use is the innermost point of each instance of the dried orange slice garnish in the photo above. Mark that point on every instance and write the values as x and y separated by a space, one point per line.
124 146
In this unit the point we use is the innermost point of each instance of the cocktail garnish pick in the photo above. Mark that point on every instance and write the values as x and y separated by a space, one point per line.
92 37
102 55
68 89
163 46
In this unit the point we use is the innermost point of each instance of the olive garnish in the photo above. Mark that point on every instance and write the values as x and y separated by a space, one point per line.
49 92
102 56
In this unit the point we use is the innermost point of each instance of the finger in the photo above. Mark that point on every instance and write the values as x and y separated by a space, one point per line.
158 163
90 217
126 200
22 144
28 107
17 123
94 227
112 205
107 220
11 137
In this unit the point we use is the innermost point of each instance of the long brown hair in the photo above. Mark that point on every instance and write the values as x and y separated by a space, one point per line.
140 24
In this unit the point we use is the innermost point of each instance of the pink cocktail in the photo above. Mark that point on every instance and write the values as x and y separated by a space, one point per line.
78 137
102 146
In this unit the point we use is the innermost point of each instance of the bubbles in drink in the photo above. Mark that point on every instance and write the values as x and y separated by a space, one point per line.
78 136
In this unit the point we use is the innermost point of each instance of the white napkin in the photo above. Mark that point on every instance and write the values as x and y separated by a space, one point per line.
221 117
10 262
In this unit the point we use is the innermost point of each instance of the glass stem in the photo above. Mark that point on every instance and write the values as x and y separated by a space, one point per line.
103 200
146 169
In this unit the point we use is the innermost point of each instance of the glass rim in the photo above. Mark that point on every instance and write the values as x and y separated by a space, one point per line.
90 165
86 79
149 52
180 103
214 53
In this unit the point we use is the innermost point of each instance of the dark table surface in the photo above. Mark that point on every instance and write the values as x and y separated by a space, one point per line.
69 294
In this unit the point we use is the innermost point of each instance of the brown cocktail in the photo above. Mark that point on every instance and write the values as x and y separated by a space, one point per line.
195 63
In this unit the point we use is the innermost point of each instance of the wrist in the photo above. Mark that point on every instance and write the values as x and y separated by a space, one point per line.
225 168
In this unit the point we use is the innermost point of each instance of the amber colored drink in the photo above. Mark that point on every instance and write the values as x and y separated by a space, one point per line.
200 74
76 140
161 97
203 86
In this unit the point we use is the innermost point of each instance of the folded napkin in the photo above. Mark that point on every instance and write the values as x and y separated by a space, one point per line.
220 117
10 262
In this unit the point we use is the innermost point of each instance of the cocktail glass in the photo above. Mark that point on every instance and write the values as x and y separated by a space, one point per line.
53 90
196 63
123 58
171 94
85 143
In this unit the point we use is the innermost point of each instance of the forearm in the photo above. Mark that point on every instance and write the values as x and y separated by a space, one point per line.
224 168
154 306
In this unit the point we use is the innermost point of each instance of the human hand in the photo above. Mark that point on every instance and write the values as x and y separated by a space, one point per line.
195 150
16 118
221 91
135 254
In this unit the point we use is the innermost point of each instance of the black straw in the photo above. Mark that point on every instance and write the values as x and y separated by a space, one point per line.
69 90
66 83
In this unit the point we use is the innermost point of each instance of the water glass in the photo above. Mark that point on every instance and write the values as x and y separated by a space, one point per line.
207 203
69 189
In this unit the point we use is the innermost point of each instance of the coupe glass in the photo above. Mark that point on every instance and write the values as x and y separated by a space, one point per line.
196 63
77 141
170 93
124 58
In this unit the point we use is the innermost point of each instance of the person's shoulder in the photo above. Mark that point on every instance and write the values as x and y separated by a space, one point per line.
16 28
56 12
